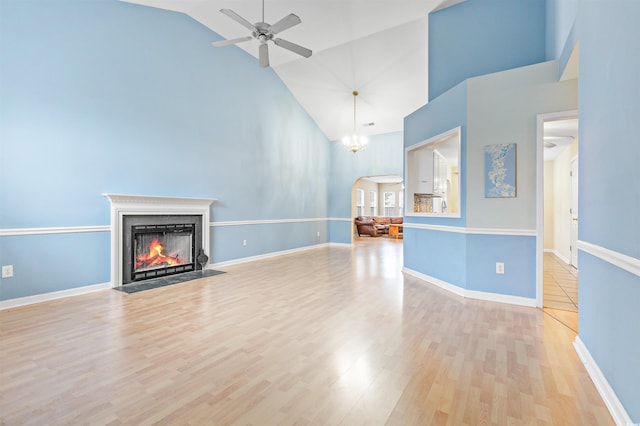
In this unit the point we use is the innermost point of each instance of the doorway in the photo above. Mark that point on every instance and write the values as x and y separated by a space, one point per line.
376 196
557 273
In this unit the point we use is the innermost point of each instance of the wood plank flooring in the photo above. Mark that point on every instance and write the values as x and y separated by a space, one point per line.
330 336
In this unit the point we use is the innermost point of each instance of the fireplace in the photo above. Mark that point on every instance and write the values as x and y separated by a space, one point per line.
159 250
153 237
159 245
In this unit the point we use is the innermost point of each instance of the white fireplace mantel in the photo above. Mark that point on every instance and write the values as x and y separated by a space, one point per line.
123 205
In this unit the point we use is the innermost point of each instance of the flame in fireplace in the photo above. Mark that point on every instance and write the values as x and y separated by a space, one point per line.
155 256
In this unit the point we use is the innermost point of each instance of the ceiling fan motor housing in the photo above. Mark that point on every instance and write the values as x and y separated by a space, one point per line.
262 32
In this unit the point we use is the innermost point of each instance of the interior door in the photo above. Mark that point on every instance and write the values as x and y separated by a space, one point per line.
574 212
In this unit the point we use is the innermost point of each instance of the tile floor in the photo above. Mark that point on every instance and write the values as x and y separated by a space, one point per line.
561 291
560 284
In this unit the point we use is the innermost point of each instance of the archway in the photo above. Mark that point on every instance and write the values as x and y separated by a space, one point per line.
379 197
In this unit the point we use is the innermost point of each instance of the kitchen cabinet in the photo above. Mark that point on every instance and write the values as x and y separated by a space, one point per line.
432 180
430 171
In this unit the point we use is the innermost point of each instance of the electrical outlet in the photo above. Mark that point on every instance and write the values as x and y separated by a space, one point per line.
318 234
499 268
244 243
7 271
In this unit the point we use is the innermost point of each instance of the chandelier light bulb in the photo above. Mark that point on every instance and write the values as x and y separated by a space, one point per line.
354 142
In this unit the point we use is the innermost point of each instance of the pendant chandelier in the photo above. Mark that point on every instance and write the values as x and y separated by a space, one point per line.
355 142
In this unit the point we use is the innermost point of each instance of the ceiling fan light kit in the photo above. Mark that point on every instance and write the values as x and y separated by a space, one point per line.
264 33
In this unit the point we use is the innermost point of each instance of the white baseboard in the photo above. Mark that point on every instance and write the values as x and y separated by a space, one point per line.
609 397
558 255
265 256
346 245
39 298
473 294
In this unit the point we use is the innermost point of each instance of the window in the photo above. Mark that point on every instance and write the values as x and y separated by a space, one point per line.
389 204
359 202
373 203
400 202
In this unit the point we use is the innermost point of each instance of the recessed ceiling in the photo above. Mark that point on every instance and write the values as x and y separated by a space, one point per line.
378 48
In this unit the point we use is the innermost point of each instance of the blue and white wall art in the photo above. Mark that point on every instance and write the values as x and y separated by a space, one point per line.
500 171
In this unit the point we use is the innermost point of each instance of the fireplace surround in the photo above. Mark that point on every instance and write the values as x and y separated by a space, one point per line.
155 236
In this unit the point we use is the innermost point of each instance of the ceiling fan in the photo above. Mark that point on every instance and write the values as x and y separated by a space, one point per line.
264 32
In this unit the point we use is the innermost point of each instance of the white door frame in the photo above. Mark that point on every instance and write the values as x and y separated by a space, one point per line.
540 120
575 202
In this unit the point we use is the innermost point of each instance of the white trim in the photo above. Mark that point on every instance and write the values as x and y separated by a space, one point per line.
265 222
341 219
45 297
267 255
473 231
345 245
53 230
557 254
616 409
503 231
473 294
123 205
443 228
628 263
452 288
165 202
106 228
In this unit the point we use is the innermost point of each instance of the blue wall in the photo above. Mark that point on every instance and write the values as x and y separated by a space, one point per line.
383 156
609 156
609 302
442 114
560 19
478 37
106 96
518 254
467 257
438 254
608 33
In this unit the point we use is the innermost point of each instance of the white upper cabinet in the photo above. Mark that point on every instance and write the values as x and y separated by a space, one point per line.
431 171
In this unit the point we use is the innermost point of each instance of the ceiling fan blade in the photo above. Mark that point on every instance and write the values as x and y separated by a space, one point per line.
295 48
223 43
263 55
239 19
285 23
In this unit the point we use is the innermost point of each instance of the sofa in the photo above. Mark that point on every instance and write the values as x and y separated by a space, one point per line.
375 226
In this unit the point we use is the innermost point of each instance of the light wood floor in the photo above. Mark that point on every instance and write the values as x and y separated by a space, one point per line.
330 336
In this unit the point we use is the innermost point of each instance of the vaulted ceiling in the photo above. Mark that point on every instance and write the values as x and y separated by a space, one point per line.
378 48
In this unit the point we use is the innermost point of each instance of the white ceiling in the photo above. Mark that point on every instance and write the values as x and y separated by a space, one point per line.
378 48
560 134
384 179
